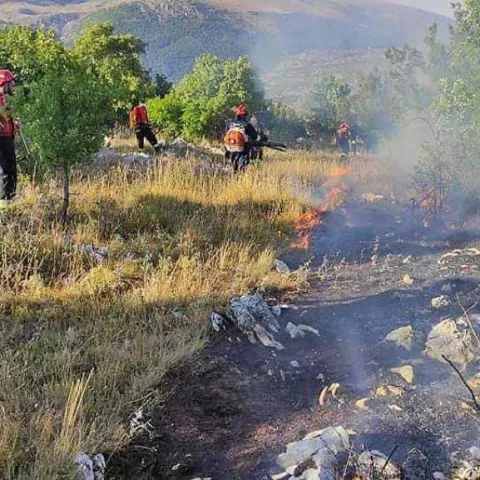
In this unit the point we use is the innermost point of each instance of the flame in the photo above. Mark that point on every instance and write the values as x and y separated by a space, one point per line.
306 222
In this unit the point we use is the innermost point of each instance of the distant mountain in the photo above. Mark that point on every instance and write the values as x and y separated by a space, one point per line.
178 31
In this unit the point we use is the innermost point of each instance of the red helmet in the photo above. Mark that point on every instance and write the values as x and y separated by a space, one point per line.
6 76
241 111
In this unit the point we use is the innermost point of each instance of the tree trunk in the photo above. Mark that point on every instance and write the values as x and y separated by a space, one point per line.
66 192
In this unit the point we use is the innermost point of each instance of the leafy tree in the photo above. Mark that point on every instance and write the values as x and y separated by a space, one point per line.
117 60
65 115
27 51
330 104
202 102
162 85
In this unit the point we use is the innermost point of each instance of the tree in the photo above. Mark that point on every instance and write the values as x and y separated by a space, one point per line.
117 60
203 101
65 115
330 104
28 52
162 85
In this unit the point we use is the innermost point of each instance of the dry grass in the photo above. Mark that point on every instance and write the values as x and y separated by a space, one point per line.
84 339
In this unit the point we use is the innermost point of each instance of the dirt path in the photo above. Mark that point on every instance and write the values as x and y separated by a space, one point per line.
237 405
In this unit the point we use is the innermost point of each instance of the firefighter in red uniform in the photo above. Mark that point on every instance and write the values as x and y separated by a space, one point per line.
140 125
8 130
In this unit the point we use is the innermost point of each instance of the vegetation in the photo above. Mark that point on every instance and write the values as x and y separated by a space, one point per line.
202 103
125 293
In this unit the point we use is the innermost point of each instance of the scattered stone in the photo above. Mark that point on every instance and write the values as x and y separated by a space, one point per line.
407 260
407 280
91 468
440 302
387 390
320 377
334 440
454 341
376 461
326 462
281 267
362 403
406 372
439 476
218 322
253 316
475 381
395 408
295 364
300 331
402 337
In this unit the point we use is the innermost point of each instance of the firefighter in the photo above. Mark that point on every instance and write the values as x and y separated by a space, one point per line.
8 131
343 138
239 139
140 125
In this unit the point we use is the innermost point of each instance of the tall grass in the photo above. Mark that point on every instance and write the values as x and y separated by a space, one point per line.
87 333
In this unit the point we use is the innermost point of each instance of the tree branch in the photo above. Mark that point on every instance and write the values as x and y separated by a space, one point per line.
464 382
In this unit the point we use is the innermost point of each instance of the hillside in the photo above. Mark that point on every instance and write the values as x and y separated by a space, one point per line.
179 31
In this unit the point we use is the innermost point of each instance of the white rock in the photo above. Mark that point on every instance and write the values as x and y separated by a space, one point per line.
402 337
266 339
299 331
326 462
447 288
281 267
293 331
454 341
217 321
440 302
334 439
310 474
84 466
295 364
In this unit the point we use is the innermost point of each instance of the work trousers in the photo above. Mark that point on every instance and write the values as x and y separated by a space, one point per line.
143 132
8 167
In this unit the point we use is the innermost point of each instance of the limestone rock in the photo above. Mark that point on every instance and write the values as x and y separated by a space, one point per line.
440 302
281 267
406 372
402 337
453 340
334 439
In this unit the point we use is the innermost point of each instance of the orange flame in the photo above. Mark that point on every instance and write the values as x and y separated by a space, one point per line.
306 222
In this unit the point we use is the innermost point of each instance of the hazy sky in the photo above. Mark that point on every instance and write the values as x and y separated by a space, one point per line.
438 6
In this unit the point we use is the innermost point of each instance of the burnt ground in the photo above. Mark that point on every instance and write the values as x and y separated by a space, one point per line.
234 407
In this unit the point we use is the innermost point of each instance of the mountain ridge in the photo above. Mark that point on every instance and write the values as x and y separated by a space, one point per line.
179 31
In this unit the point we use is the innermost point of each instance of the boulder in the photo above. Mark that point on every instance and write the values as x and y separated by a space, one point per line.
452 339
335 440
